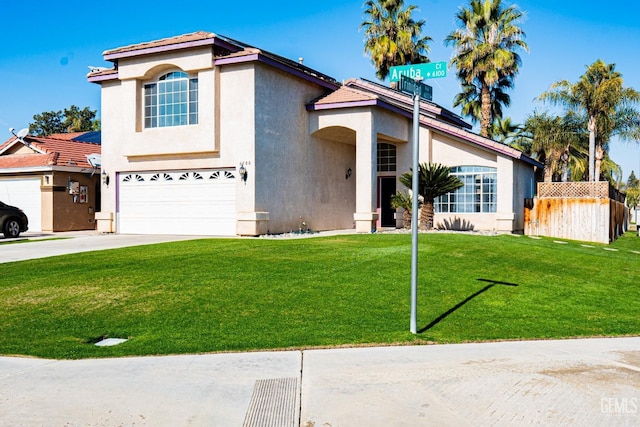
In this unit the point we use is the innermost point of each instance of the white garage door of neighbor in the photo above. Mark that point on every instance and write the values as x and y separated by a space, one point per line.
24 193
199 202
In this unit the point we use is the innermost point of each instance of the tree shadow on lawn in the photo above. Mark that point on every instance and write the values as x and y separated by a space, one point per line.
444 315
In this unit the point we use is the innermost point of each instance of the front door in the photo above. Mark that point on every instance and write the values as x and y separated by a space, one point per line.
386 189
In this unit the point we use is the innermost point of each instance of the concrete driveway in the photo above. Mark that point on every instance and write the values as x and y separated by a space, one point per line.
42 245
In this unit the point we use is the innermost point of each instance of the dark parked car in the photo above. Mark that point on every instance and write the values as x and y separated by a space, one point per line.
12 220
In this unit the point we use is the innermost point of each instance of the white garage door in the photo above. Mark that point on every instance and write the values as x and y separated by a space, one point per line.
25 194
199 202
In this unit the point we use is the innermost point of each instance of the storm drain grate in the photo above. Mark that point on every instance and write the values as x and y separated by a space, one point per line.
273 403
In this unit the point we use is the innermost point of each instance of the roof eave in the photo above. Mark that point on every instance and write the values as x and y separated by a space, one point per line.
435 124
212 41
345 104
30 144
102 77
259 57
479 141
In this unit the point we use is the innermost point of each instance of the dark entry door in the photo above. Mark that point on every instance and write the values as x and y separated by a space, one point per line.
387 186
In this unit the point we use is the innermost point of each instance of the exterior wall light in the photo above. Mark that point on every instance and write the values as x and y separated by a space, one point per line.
105 178
348 174
243 172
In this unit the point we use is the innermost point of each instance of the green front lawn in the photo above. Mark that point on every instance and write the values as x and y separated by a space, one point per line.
245 294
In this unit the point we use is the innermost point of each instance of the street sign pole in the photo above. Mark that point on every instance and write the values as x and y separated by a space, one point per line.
414 214
416 72
411 87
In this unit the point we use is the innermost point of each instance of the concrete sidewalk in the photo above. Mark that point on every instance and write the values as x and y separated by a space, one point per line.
583 382
590 382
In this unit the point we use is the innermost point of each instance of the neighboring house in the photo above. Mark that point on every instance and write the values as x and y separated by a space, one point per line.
202 134
51 180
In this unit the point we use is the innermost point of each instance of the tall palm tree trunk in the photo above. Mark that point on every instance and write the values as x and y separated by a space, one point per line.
548 170
592 149
598 162
485 119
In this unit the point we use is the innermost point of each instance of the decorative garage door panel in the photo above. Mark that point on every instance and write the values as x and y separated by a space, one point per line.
199 202
25 194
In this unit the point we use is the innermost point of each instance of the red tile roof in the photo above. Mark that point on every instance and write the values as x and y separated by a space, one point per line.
53 150
66 136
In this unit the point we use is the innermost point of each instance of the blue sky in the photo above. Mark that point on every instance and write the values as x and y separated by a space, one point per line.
49 46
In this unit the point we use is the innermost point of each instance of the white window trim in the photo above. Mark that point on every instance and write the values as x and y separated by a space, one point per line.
154 119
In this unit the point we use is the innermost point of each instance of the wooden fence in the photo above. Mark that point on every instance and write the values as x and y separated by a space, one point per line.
587 211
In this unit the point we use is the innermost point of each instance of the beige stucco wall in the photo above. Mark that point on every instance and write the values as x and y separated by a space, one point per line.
364 127
127 146
514 180
112 132
169 147
361 121
453 152
249 114
235 115
291 185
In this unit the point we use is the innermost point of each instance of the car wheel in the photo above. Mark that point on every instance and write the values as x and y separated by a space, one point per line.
11 228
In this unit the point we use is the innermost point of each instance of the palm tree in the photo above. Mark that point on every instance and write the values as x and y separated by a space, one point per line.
434 180
485 55
633 199
404 201
392 37
609 108
471 102
553 141
504 130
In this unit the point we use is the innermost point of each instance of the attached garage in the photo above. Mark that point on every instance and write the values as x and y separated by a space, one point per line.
24 193
189 202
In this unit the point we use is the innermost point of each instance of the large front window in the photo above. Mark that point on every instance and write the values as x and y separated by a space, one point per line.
477 195
171 101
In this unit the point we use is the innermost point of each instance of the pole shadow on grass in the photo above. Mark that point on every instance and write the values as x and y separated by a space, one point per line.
444 315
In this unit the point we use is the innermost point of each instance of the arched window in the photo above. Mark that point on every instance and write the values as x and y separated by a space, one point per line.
171 101
479 194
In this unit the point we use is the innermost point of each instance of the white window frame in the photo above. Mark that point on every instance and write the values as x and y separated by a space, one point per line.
171 100
479 194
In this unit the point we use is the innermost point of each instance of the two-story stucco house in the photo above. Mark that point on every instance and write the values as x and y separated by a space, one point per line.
202 134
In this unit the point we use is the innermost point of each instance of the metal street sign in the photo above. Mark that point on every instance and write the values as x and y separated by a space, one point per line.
430 70
411 87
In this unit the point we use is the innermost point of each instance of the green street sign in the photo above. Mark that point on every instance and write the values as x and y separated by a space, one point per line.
430 70
410 86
